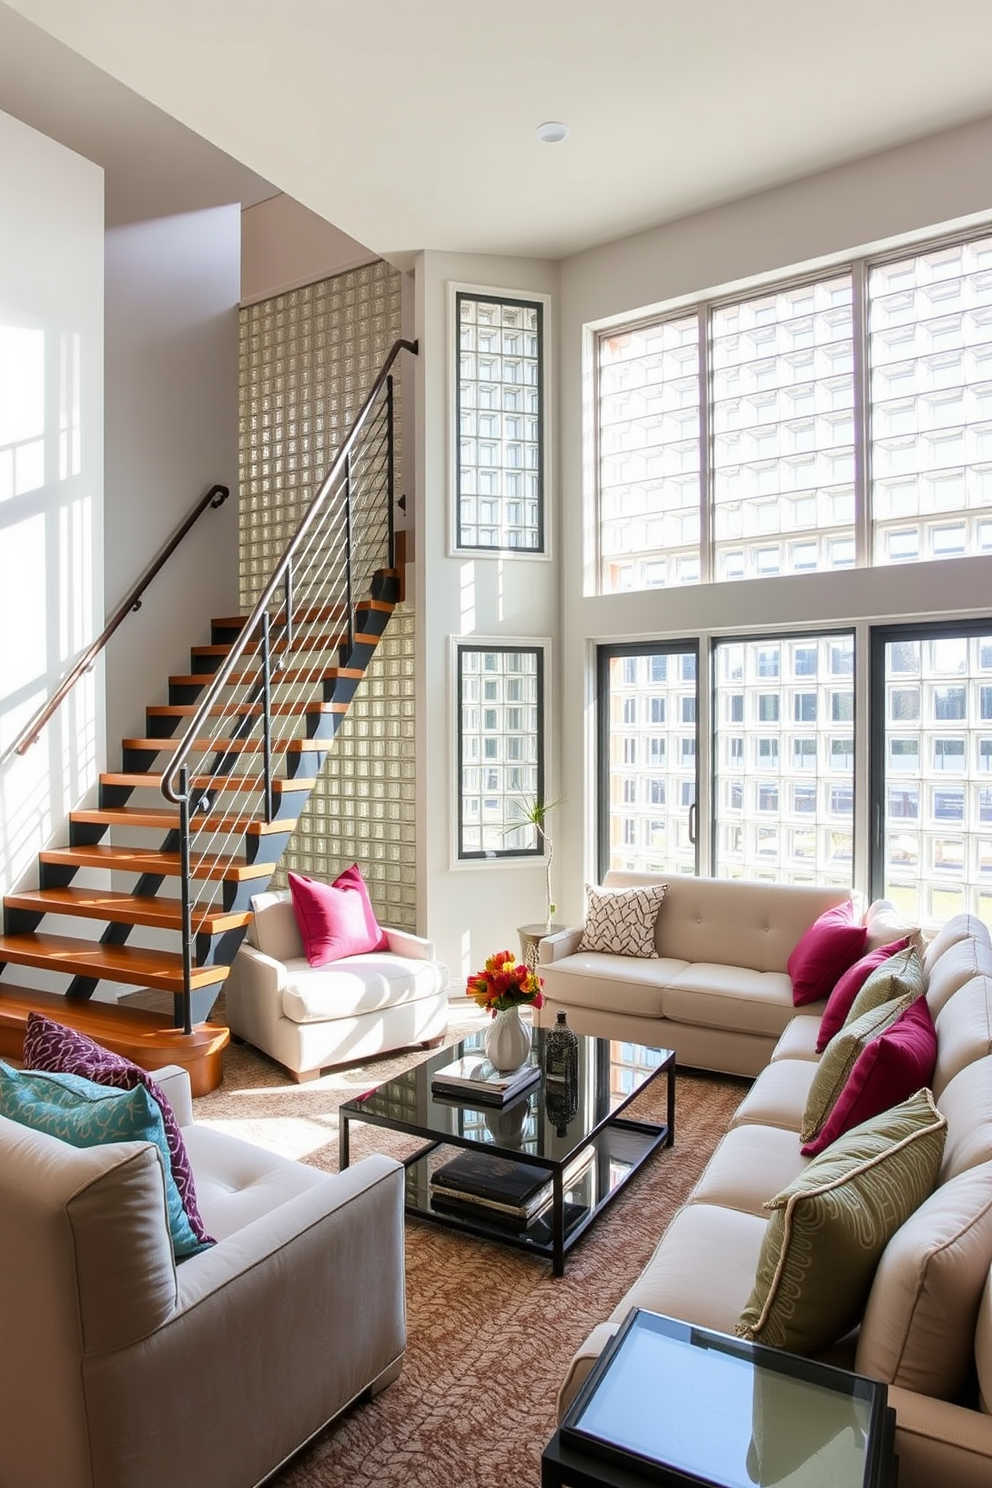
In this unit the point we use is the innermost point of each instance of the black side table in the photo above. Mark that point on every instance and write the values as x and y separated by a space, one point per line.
673 1404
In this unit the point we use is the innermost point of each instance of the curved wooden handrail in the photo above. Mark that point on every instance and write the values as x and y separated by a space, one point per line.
215 497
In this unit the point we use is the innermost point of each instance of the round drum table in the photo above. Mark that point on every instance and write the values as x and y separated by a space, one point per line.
530 938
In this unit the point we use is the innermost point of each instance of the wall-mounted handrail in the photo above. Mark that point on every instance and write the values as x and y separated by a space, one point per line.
215 497
170 776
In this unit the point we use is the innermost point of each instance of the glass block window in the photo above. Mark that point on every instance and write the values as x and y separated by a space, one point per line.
647 729
930 355
308 358
783 431
500 692
648 398
933 740
783 799
499 417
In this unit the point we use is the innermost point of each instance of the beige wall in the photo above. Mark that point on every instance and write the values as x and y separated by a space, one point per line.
285 245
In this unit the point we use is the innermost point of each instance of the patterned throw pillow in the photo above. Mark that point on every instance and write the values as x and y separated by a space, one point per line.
839 1058
622 921
829 1227
51 1046
898 975
85 1114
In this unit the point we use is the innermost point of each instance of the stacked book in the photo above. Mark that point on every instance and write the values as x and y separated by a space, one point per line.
473 1078
501 1190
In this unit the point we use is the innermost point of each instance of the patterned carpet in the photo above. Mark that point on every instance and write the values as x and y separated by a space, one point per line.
490 1331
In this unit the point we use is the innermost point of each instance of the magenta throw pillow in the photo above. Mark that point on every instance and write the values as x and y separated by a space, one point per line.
889 1070
841 999
335 919
55 1049
830 945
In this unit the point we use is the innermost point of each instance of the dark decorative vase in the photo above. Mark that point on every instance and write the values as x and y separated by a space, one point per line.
561 1057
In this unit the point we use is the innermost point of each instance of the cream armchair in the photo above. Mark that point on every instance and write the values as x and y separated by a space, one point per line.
121 1369
308 1017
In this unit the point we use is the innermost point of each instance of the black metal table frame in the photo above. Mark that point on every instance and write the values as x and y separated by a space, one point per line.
660 1135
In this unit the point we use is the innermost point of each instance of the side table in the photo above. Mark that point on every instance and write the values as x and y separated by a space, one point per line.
670 1403
530 938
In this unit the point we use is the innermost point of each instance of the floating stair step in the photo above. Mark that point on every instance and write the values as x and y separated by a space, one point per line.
123 909
145 1037
278 679
280 785
135 965
254 710
216 865
167 820
300 616
302 641
230 746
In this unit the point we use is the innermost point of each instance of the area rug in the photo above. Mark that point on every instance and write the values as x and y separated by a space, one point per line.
490 1331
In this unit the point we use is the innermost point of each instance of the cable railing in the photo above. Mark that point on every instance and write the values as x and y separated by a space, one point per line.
216 496
272 702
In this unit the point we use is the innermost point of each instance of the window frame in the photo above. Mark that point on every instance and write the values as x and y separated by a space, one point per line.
458 291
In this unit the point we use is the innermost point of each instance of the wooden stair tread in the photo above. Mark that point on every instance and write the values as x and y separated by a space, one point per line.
167 820
282 678
230 746
135 1033
123 909
136 965
249 710
148 860
280 785
324 641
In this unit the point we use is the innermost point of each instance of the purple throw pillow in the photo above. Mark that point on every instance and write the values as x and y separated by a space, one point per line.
52 1047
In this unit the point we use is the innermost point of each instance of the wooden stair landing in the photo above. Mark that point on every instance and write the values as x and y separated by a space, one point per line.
131 1032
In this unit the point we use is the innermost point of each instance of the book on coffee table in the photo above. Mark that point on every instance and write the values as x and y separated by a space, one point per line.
505 1191
474 1078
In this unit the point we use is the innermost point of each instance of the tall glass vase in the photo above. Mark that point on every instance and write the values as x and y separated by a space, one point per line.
507 1041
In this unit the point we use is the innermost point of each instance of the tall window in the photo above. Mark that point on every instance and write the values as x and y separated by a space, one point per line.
932 753
499 417
783 798
500 749
768 471
647 732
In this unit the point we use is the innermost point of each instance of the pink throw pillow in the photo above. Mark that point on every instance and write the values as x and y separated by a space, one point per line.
824 952
889 1070
335 919
841 999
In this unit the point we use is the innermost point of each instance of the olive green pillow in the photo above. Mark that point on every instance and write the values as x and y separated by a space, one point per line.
901 973
839 1058
829 1226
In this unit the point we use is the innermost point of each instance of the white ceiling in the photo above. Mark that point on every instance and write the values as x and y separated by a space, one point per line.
410 123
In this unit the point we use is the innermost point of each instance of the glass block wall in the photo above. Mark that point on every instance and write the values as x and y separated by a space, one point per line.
307 360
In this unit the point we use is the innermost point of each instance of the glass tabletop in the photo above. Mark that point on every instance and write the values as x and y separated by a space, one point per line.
544 1122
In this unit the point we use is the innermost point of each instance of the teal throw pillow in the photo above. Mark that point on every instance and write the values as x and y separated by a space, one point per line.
85 1114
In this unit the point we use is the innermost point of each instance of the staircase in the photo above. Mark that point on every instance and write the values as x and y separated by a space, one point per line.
200 812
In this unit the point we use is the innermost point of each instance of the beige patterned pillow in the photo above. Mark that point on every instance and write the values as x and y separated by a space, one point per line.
839 1058
829 1227
622 921
901 973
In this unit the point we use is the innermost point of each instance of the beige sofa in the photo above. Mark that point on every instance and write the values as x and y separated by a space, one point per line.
929 1314
122 1369
308 1017
718 992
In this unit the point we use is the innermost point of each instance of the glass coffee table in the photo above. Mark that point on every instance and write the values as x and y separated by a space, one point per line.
584 1139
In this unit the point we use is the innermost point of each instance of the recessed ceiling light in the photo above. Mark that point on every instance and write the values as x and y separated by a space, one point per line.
551 132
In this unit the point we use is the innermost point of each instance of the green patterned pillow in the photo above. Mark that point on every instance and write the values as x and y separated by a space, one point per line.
900 974
85 1114
829 1227
839 1058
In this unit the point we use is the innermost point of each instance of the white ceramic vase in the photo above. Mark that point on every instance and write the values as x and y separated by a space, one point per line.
507 1041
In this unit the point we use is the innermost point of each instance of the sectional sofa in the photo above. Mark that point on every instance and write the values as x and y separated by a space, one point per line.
927 1327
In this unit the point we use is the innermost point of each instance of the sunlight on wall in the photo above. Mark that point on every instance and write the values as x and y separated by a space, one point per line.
467 598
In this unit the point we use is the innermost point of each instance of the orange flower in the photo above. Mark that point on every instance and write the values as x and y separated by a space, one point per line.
504 983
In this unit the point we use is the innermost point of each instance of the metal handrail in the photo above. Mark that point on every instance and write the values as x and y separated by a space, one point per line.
215 497
170 786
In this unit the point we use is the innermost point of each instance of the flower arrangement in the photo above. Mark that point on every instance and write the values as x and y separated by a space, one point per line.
505 983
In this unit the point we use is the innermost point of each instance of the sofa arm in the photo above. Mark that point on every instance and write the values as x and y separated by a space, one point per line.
280 1325
173 1081
264 972
402 943
937 1442
562 943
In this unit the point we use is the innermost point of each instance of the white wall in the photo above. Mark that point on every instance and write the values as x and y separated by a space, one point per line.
470 910
285 245
51 518
173 286
944 180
